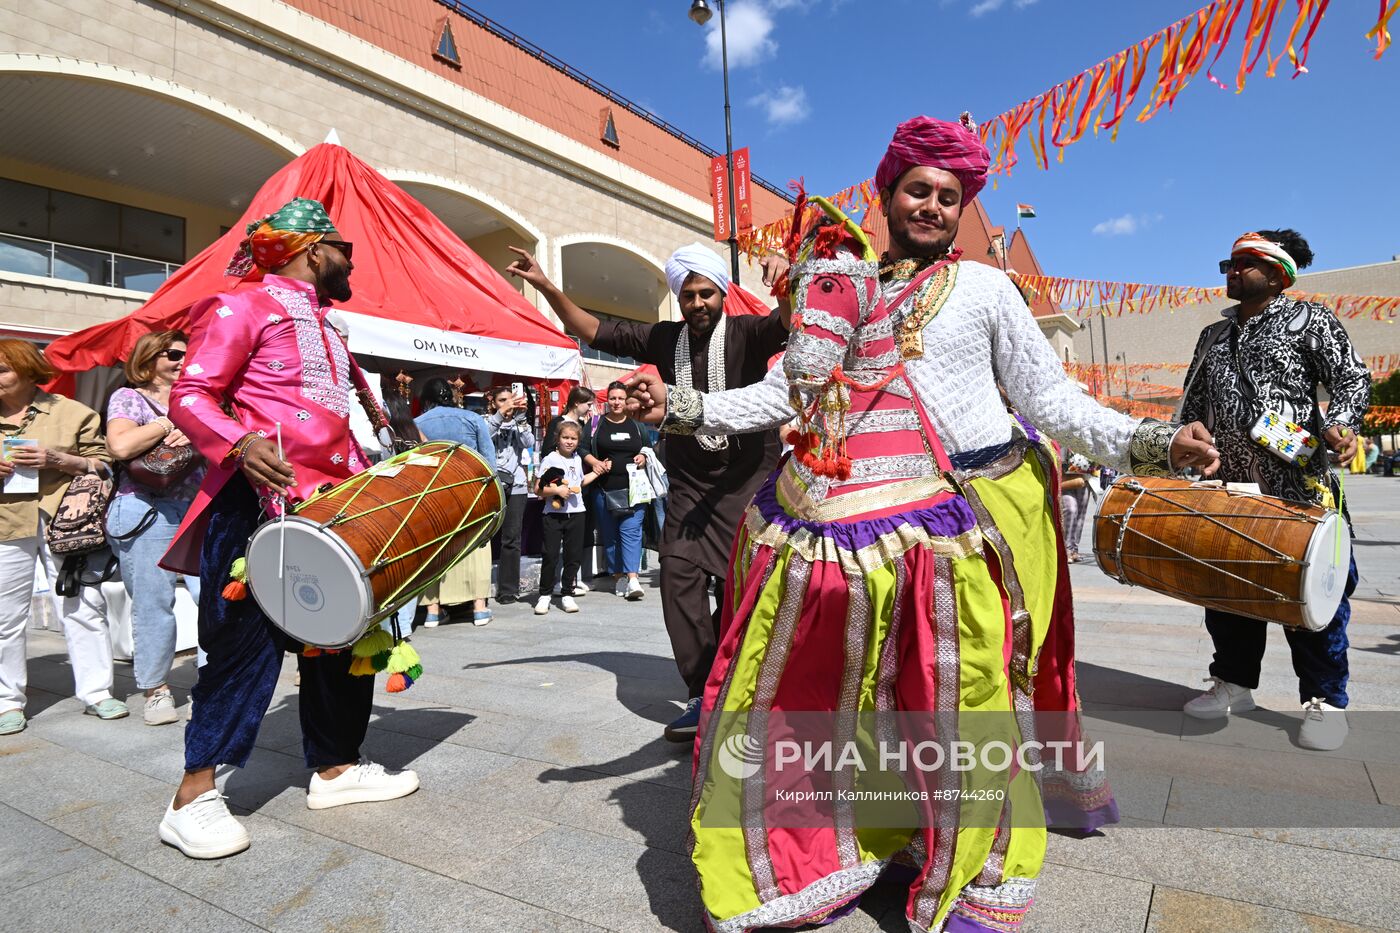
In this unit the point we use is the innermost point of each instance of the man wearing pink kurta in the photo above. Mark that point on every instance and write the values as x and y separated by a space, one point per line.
263 356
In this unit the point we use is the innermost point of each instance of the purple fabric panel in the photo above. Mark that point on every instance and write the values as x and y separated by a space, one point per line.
947 519
1062 814
1031 432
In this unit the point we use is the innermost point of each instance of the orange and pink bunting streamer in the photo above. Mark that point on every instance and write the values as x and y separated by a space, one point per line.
1158 69
1092 296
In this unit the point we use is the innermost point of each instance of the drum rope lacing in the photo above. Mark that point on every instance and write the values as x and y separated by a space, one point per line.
432 448
1124 528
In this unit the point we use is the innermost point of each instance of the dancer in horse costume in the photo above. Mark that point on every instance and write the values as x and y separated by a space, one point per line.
885 591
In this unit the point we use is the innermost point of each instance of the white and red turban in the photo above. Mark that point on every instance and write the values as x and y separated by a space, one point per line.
924 141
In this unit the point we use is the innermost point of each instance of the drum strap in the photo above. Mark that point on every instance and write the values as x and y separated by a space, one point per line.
1199 363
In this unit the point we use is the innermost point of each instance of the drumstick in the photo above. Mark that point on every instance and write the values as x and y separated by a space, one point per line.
282 521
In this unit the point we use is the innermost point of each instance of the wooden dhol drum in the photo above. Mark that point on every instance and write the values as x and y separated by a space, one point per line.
358 551
1239 552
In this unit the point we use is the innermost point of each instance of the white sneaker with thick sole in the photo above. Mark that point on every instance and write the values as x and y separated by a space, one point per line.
567 604
1324 726
1220 701
365 782
634 590
203 828
541 605
160 709
580 589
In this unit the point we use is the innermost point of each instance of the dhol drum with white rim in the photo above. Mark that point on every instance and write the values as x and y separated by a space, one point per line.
352 555
1226 549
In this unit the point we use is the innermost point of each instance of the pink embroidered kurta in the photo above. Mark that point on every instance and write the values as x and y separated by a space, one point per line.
269 355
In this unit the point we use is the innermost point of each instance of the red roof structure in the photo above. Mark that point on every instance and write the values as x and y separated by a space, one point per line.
421 295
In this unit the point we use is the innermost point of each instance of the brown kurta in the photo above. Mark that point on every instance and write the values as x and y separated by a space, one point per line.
709 489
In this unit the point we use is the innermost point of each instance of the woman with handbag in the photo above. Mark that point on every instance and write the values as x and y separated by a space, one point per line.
618 444
47 441
159 476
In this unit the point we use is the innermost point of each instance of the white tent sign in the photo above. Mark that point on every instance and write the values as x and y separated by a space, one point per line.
376 336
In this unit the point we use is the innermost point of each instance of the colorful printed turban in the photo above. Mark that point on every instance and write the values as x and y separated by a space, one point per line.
696 258
924 141
276 240
1258 247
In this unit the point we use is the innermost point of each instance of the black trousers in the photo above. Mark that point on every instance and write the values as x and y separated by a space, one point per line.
245 652
692 625
562 531
508 564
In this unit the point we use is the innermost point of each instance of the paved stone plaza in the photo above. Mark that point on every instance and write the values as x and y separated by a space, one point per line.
550 801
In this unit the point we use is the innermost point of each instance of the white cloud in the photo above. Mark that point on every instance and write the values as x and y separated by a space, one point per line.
1126 225
784 105
982 7
747 28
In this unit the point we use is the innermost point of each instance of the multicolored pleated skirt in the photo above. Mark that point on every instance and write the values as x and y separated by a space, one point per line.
937 611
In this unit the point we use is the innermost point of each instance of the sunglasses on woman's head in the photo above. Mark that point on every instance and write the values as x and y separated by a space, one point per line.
173 356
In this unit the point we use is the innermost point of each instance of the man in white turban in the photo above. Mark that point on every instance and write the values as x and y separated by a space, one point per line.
712 478
696 259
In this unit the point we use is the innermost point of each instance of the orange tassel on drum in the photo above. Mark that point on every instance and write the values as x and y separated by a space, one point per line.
237 587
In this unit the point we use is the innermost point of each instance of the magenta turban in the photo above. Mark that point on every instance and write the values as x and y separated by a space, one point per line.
924 141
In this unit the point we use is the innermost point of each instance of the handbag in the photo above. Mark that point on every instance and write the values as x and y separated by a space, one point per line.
79 528
79 524
162 467
618 501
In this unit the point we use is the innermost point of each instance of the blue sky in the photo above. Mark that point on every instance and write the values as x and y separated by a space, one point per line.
818 86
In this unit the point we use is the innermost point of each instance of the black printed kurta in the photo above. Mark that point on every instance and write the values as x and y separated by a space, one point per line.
1284 353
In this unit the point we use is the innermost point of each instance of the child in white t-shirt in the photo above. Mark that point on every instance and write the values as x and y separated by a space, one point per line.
561 482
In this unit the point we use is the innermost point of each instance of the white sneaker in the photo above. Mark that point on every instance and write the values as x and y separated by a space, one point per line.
568 604
620 588
541 605
1324 726
365 782
160 708
1220 700
580 589
634 589
203 828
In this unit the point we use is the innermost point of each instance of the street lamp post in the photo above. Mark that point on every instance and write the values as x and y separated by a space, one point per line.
1123 357
700 13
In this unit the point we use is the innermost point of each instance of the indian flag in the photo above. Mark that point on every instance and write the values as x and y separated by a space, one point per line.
1025 210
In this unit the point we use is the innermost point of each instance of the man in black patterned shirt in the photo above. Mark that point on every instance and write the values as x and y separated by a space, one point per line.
1270 353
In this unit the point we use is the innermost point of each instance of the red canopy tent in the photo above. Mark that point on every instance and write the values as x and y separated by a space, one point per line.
421 294
737 301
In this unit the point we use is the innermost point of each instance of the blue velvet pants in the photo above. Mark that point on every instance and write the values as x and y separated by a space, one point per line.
1319 658
245 657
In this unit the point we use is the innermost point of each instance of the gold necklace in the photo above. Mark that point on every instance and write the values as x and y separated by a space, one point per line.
930 300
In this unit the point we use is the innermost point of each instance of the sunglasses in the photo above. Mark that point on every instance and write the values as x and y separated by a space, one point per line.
173 356
1240 263
345 247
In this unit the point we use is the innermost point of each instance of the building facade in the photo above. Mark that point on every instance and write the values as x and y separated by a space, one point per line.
135 132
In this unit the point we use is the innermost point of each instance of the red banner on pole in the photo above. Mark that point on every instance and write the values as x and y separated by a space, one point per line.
743 190
719 196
